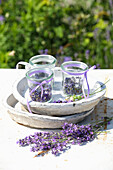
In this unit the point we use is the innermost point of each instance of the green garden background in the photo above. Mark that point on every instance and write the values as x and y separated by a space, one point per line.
67 29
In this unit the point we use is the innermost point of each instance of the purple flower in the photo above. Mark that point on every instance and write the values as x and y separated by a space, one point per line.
98 66
107 34
1 18
87 52
75 55
61 50
109 123
105 58
41 51
33 149
93 56
111 50
59 141
67 58
96 33
111 3
46 51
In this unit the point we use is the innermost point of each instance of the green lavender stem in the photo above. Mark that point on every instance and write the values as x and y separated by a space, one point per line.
94 92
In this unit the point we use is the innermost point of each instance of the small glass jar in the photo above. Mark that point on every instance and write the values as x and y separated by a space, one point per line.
72 77
39 61
40 83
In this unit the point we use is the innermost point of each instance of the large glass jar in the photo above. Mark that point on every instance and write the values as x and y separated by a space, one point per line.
40 83
73 73
39 61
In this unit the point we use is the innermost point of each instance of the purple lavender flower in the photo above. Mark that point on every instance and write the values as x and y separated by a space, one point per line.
102 117
87 52
93 56
46 51
59 141
96 33
67 58
98 66
41 51
111 7
111 3
1 18
111 50
61 50
107 34
75 55
105 58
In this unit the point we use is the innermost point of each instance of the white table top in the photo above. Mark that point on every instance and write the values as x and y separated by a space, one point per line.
95 155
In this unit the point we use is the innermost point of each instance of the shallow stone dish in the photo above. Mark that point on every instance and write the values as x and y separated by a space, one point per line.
20 92
19 114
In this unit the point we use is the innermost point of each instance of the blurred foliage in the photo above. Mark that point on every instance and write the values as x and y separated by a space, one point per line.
82 30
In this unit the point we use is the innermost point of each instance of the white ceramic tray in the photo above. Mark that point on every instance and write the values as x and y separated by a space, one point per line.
20 92
19 114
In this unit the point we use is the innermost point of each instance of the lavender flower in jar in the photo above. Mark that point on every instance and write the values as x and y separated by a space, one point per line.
40 82
72 77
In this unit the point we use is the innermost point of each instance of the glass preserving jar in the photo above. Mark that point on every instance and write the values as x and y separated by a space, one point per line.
73 73
40 84
39 61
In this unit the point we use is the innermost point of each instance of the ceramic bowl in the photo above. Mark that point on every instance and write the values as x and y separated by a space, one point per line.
20 115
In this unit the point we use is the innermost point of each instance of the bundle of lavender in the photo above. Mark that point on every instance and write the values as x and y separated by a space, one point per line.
57 142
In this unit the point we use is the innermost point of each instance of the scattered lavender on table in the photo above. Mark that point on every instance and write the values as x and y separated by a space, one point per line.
57 142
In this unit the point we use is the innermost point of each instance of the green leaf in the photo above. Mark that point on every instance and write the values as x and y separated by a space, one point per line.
59 31
90 34
86 41
101 24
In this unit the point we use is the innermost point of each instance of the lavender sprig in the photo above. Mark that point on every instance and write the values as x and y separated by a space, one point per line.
95 91
58 142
